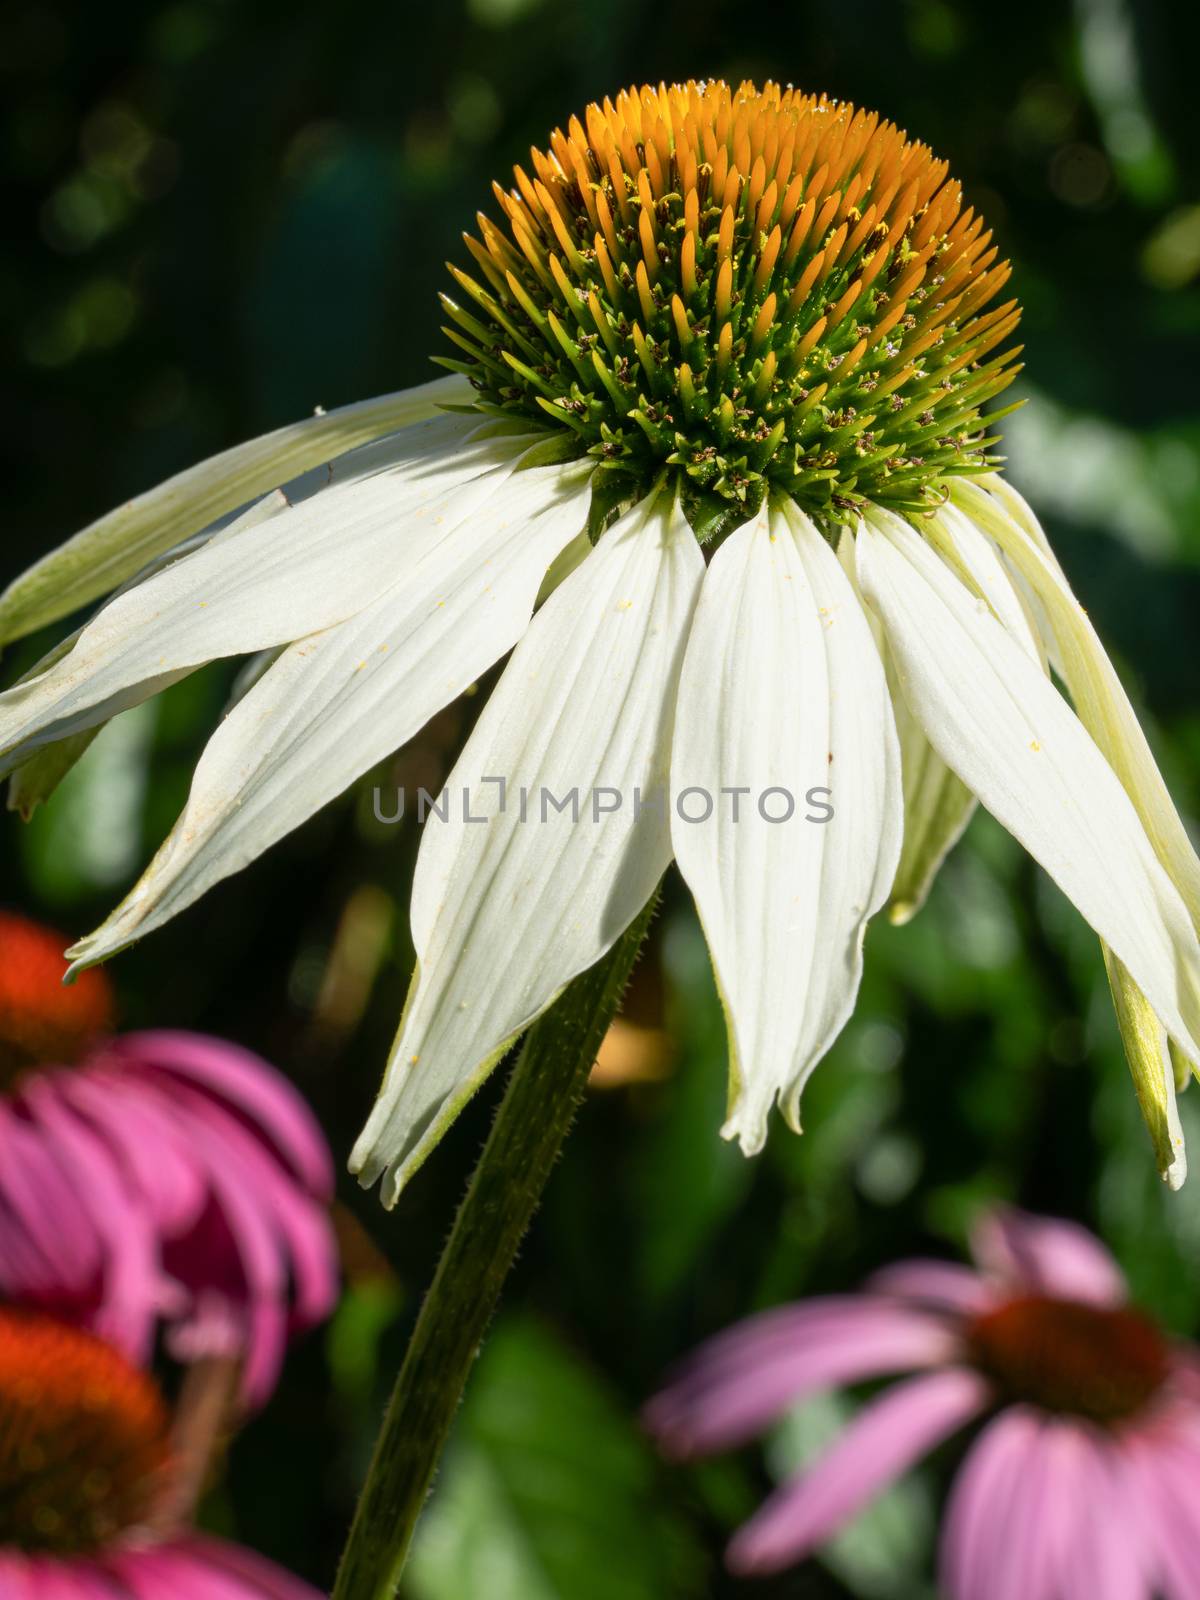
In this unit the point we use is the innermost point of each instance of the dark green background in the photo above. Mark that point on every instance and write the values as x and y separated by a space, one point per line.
224 215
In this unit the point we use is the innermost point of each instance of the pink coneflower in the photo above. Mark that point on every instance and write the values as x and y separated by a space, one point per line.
85 1463
1084 1483
153 1177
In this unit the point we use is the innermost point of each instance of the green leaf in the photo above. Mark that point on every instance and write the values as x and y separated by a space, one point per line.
549 1490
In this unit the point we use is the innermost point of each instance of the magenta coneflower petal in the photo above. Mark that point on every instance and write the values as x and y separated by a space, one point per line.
51 1580
1040 1514
883 1441
197 1568
150 1141
977 1519
1103 1554
1047 1256
242 1080
77 1580
1085 1486
37 1194
264 1232
168 1178
1044 1510
1162 1465
257 1576
186 1568
173 1571
938 1285
747 1376
238 1251
300 1221
18 1582
132 1288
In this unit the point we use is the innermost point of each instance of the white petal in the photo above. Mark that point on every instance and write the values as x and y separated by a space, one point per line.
113 548
1090 677
1105 711
1148 1051
937 808
995 719
937 803
33 777
974 558
334 704
783 689
259 584
506 912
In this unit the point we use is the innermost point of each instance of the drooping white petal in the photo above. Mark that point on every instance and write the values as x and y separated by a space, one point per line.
509 907
937 803
1106 713
335 703
974 559
118 544
34 777
1090 677
994 718
1148 1051
783 704
937 808
306 568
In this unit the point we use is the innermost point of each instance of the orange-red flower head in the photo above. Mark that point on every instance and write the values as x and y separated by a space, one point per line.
83 1438
41 1022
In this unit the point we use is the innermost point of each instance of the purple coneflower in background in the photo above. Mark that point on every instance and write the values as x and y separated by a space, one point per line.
86 1472
153 1177
1084 1483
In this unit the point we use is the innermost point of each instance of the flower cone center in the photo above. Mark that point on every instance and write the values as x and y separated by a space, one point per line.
41 1022
83 1439
1063 1356
745 287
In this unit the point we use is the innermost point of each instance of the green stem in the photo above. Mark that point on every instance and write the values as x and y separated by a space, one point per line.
533 1120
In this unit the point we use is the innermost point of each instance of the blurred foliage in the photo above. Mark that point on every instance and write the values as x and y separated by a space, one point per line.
549 1490
224 215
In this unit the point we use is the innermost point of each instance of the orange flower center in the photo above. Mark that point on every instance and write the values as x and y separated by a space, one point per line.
83 1438
41 1022
741 287
1061 1355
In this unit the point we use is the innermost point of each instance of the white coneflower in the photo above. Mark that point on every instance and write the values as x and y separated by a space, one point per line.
714 463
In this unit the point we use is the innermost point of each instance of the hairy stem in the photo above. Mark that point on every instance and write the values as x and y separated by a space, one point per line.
533 1120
